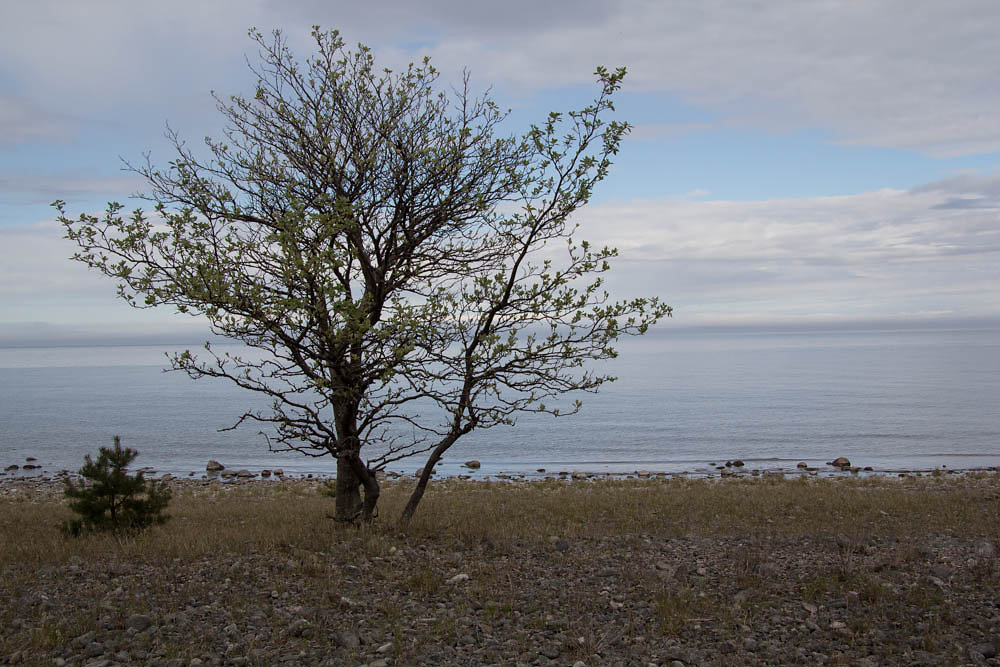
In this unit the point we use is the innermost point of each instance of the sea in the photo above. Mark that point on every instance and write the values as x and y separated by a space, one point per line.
686 401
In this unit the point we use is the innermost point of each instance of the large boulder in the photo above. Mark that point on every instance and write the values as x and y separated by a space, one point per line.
841 462
214 466
475 465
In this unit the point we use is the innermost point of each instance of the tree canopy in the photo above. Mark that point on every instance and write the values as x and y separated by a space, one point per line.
408 271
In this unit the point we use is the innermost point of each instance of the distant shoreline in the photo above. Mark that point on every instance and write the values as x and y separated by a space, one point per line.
42 479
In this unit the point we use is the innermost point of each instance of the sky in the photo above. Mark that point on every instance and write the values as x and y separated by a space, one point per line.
792 163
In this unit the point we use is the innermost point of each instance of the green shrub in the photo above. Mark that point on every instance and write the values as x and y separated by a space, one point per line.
111 499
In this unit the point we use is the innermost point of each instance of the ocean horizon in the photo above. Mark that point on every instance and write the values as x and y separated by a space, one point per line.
686 401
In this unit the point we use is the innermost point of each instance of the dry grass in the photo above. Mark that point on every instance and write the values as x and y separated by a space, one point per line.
585 570
261 517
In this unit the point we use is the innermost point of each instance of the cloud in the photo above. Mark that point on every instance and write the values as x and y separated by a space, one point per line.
966 191
883 255
857 257
21 186
22 121
911 74
903 74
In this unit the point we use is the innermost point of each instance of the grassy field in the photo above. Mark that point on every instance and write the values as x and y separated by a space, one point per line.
209 519
881 570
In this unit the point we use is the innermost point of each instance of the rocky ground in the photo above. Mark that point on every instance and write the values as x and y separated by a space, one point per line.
625 599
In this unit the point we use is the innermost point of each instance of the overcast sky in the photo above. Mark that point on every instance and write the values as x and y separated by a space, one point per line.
793 162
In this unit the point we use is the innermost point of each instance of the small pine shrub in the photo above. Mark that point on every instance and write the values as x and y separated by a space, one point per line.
111 499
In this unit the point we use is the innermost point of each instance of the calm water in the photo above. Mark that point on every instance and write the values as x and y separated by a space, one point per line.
892 400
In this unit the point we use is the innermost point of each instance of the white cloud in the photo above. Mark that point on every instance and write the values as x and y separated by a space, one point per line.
889 254
907 74
857 257
912 74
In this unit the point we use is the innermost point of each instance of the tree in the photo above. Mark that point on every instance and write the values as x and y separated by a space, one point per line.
114 500
390 252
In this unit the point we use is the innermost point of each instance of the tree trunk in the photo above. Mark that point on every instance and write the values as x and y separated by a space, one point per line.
418 493
348 507
425 476
372 488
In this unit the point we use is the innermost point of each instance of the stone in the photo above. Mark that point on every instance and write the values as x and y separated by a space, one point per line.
12 467
349 639
475 465
840 462
551 651
459 578
381 662
30 466
94 650
384 648
986 549
227 473
642 474
562 545
138 622
300 628
83 640
245 474
987 649
214 466
30 459
738 463
279 472
265 473
801 465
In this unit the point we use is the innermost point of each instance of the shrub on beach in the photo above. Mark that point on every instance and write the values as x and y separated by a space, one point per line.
110 498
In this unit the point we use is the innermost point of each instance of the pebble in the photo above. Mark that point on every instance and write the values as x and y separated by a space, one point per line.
300 628
349 639
138 622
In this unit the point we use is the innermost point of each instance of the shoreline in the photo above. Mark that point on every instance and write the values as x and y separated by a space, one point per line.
497 472
47 486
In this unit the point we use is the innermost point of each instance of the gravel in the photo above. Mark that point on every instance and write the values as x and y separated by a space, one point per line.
627 599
